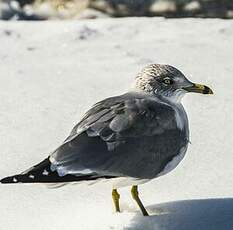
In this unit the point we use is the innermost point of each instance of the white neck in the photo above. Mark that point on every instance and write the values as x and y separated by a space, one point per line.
175 98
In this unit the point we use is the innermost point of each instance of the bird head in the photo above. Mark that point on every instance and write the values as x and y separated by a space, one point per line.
167 81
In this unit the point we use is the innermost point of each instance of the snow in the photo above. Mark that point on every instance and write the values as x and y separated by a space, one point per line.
52 72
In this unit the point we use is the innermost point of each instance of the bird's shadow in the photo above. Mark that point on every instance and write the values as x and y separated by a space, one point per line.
206 214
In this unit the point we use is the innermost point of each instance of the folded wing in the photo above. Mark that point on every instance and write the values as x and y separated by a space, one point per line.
114 138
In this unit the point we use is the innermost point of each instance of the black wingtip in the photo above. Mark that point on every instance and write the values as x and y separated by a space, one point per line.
9 180
41 173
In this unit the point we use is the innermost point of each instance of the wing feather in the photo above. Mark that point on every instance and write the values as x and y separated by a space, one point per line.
107 130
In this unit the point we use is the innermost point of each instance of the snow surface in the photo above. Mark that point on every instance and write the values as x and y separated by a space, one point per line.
51 72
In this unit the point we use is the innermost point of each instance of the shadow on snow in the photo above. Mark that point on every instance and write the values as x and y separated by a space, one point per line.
206 214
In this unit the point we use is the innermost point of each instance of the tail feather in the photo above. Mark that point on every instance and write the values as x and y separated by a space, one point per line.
41 173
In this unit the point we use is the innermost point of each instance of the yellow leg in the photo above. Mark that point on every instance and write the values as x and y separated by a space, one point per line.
134 193
116 198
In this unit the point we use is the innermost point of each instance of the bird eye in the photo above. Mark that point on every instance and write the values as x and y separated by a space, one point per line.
167 81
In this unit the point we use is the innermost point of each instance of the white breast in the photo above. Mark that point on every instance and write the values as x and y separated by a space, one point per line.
127 181
174 162
181 117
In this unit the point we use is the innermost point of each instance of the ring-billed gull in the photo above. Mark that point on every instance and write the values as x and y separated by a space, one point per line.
129 139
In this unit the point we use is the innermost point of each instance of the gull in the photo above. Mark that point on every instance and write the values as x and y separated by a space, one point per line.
128 139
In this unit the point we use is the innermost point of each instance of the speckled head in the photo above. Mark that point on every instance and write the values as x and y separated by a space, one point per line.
167 81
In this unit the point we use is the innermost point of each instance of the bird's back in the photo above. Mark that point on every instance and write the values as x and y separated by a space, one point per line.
132 135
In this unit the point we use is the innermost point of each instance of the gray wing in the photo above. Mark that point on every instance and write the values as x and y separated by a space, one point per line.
119 136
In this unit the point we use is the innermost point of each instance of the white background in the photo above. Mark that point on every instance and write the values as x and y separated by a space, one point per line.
52 72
